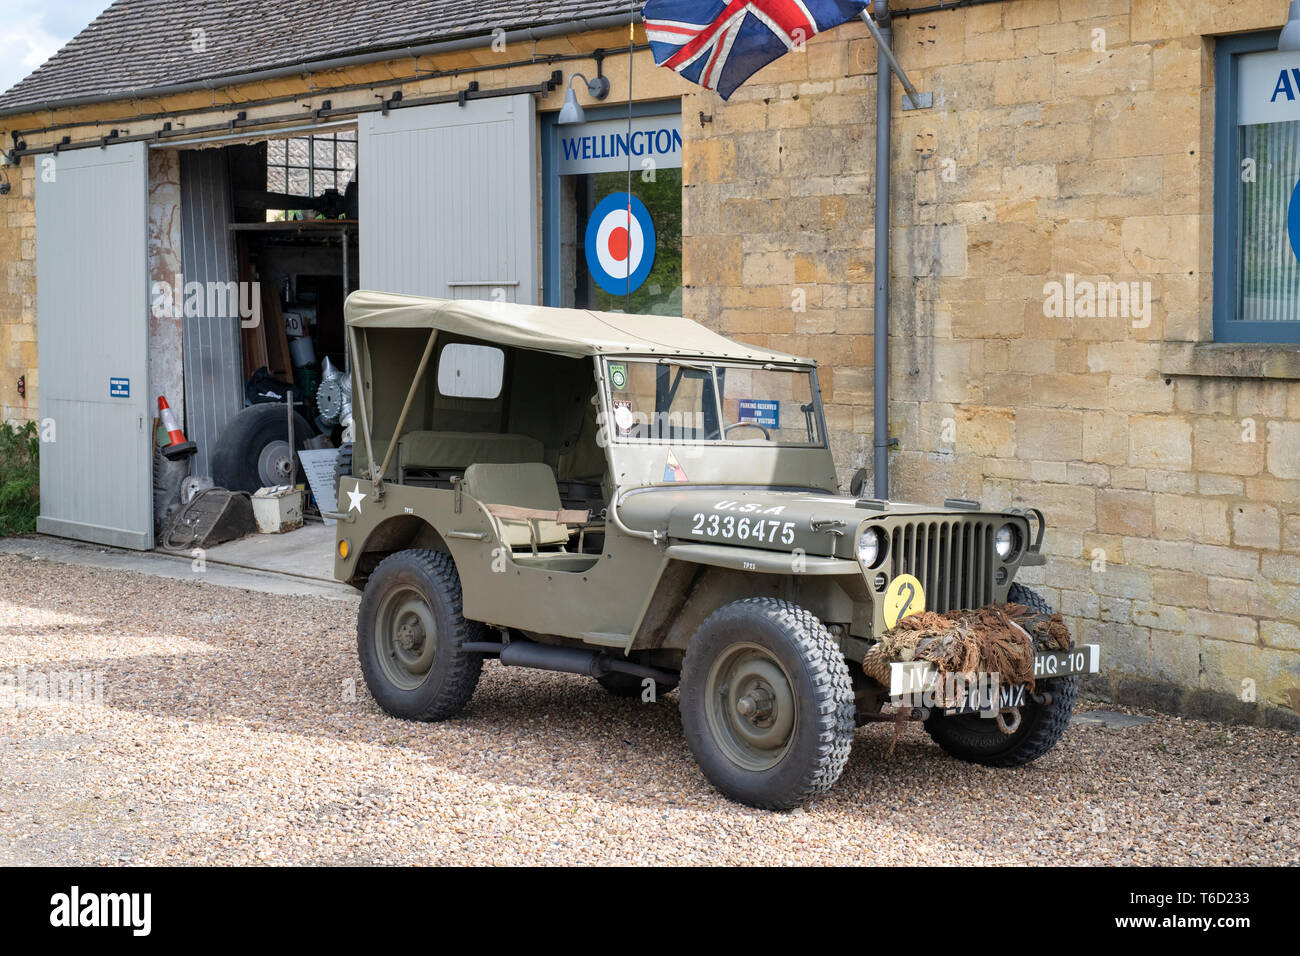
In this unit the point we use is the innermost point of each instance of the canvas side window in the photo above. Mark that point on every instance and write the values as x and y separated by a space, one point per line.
471 371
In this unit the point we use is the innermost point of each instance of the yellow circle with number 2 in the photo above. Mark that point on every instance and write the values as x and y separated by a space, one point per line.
903 597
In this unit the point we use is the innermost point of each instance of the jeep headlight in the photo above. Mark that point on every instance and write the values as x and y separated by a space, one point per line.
1007 541
870 547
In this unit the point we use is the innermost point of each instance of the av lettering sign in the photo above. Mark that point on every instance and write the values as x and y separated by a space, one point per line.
1268 90
605 146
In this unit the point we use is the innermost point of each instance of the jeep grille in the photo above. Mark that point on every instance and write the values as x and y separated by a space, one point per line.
953 560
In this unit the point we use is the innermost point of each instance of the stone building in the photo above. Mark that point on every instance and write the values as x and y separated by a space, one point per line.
1094 292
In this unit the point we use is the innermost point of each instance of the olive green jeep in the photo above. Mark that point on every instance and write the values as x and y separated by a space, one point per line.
640 500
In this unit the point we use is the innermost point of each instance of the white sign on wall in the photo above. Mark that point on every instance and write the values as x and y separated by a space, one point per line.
1268 88
605 146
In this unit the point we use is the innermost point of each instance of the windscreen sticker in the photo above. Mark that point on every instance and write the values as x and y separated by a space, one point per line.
623 417
760 411
618 376
673 470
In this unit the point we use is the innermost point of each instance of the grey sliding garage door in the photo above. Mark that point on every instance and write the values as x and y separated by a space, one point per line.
92 314
449 199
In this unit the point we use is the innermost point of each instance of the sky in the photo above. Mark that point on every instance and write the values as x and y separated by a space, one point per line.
32 31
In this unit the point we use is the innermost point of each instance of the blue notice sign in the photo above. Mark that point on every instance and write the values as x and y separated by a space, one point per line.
760 411
119 388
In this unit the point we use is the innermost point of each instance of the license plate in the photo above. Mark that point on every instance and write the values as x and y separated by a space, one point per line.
916 677
1009 695
1077 660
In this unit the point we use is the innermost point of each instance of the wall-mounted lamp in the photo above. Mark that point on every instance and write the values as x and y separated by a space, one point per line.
1290 38
571 112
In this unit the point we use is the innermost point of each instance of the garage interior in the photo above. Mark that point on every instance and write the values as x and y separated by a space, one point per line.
279 216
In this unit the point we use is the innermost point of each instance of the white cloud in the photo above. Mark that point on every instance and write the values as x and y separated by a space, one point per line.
32 32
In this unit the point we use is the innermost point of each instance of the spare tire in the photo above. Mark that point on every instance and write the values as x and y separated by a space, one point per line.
342 465
253 450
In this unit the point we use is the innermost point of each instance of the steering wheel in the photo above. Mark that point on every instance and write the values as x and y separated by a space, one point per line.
766 434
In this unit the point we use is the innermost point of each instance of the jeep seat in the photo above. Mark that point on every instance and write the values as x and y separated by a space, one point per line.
422 449
524 501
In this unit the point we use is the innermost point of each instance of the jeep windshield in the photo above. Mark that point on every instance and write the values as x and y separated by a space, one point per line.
675 402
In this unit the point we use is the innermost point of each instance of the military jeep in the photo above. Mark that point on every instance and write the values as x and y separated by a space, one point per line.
640 500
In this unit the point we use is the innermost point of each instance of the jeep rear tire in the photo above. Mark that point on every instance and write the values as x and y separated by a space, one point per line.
409 635
977 739
767 703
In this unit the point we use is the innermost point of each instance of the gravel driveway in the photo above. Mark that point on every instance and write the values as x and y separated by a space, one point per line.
234 728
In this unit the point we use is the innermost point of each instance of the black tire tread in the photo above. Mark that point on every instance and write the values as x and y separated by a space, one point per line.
463 675
832 686
342 468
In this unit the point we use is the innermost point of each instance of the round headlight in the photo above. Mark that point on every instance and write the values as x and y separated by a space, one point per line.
869 547
1007 541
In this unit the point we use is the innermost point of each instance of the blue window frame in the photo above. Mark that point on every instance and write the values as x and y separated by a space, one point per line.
1256 261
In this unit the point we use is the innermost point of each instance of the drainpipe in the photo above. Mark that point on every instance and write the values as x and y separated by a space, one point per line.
880 305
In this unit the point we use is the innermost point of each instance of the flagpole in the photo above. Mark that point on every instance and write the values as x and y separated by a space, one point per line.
631 52
883 45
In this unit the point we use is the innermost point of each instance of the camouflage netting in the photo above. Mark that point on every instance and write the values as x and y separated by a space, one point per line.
998 639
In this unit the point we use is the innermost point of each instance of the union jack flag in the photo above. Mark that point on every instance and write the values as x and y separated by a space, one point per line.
719 44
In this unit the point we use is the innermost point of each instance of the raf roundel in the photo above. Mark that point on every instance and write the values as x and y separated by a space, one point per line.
620 248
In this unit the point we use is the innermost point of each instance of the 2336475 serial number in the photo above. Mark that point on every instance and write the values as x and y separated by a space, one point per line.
742 528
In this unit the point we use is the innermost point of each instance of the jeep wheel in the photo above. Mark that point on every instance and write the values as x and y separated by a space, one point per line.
977 739
629 685
409 633
767 703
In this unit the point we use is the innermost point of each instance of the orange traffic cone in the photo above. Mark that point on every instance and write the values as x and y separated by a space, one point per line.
178 447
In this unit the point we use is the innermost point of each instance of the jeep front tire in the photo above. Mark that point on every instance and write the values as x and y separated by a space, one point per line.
977 739
767 703
409 635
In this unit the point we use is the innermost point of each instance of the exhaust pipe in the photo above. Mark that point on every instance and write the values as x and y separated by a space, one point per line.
569 660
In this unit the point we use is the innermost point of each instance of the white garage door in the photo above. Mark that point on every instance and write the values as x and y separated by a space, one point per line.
93 340
449 200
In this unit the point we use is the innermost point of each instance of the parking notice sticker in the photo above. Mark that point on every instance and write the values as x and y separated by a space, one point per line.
119 388
760 411
903 597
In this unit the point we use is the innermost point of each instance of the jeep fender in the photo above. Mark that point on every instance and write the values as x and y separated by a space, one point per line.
689 590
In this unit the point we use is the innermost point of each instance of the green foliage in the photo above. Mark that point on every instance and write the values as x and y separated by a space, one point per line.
20 478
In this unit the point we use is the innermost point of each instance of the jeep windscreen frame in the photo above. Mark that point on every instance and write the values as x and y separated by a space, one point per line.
686 388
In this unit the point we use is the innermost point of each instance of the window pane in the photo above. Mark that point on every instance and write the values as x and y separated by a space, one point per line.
299 152
347 156
471 371
299 182
275 180
773 405
1268 286
323 150
324 181
663 402
275 152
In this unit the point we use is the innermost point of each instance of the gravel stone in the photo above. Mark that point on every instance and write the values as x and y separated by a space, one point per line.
235 729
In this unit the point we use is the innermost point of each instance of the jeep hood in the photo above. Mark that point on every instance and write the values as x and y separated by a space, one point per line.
777 519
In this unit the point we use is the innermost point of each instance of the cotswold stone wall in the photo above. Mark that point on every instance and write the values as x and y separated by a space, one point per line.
18 293
1070 144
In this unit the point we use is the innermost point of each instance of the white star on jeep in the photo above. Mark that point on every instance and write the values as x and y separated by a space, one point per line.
354 499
